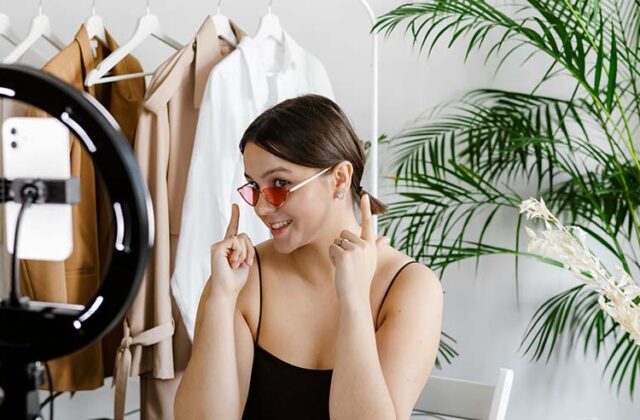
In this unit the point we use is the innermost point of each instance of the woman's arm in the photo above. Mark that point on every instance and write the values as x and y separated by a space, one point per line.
380 375
209 386
215 383
358 389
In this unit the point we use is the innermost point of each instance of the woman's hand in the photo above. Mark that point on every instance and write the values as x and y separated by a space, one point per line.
231 258
355 258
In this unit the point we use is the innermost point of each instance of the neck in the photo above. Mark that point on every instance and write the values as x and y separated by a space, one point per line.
312 260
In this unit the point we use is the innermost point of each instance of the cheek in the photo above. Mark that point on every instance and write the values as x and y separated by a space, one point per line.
309 209
315 199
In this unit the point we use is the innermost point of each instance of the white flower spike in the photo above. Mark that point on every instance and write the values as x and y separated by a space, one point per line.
568 244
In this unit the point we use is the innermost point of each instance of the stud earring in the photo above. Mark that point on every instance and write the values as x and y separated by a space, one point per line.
340 195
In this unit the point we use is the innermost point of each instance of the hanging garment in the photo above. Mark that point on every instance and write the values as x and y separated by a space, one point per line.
77 279
164 141
250 80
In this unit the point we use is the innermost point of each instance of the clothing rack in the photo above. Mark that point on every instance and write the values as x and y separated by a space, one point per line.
371 171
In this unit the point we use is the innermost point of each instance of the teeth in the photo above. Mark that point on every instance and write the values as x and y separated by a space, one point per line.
281 224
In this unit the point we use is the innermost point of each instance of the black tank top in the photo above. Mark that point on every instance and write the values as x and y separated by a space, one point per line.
279 390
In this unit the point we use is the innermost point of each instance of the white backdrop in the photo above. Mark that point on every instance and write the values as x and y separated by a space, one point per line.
480 310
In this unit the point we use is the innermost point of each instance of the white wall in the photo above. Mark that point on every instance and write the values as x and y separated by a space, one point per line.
481 311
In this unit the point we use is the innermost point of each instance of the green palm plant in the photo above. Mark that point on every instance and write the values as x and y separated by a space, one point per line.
453 170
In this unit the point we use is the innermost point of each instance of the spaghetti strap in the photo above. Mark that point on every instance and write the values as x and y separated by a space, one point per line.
389 288
260 280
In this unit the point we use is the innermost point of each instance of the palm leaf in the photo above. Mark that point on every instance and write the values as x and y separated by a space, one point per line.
453 168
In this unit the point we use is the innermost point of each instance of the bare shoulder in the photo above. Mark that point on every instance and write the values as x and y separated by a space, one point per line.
394 259
416 285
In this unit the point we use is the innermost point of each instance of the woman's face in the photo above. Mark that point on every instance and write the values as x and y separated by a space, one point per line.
305 210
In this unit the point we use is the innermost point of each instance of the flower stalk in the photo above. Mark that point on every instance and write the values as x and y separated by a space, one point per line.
619 294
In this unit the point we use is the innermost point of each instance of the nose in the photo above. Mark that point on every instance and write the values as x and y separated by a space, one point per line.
263 207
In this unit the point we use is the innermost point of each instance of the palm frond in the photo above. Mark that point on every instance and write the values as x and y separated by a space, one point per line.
446 351
571 33
455 168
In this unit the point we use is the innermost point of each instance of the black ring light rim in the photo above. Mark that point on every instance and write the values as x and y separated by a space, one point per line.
114 161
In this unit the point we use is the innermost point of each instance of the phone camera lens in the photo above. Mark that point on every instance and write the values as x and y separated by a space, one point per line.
13 130
14 145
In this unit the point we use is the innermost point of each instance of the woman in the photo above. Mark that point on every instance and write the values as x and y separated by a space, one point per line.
306 325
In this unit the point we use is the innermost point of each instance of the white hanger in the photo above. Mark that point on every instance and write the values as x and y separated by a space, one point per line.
223 27
40 28
95 26
5 30
270 27
148 25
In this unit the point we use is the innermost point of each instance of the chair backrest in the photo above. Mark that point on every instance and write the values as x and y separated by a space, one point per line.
465 399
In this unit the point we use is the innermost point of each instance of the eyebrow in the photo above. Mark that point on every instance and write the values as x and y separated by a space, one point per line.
271 171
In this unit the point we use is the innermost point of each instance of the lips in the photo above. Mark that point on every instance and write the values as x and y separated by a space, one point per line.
281 224
280 228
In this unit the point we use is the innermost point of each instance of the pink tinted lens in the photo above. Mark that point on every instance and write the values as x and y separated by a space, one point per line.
249 194
275 195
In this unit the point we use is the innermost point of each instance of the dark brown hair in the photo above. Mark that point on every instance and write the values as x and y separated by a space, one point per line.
312 131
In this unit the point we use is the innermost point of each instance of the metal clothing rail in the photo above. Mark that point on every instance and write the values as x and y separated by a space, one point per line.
373 154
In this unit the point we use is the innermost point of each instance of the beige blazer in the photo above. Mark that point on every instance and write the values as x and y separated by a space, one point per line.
164 140
77 279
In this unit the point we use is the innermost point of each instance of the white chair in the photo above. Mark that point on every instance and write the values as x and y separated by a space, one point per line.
444 398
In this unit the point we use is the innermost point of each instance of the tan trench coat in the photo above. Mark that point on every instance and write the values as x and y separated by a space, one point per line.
156 343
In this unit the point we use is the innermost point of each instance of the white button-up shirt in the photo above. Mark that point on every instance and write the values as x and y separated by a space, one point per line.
253 78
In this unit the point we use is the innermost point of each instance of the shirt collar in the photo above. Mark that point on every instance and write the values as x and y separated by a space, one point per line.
292 52
204 56
86 55
253 57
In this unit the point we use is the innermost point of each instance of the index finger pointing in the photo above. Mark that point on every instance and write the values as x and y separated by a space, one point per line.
367 226
232 228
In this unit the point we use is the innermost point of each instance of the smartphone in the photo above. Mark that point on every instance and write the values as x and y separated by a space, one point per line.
38 148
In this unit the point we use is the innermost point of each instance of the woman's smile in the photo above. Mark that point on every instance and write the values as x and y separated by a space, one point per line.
279 228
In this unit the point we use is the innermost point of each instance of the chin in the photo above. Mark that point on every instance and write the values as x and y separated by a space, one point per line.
286 246
282 247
